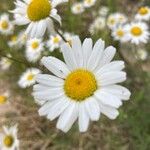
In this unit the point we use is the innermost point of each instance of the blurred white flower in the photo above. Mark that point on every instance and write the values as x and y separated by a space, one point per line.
8 139
83 87
137 32
142 54
28 77
103 11
54 42
116 19
89 3
6 26
98 24
119 34
143 13
33 49
77 8
14 41
38 15
5 63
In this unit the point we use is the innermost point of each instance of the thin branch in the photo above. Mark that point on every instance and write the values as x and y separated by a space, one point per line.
15 60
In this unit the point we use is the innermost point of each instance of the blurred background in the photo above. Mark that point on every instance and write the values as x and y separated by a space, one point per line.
130 131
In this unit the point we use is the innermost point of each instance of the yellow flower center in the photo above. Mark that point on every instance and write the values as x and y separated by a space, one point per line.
78 7
112 21
136 31
80 84
89 1
4 25
120 33
56 40
30 77
143 11
3 99
39 9
8 141
14 38
35 45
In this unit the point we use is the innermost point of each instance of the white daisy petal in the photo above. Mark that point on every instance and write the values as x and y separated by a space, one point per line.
77 50
56 66
112 66
69 56
87 50
68 117
58 108
108 55
108 99
48 94
110 112
93 109
96 55
49 80
83 118
119 91
111 78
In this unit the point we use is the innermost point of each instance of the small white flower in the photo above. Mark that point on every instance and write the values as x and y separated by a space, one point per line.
8 139
119 34
116 19
6 26
89 3
83 87
38 14
14 41
28 77
54 42
33 49
137 32
142 54
5 63
143 13
103 11
77 8
98 24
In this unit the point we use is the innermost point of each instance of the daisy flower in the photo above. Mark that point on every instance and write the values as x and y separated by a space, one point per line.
77 8
116 19
6 26
28 77
33 49
89 3
54 42
98 24
142 54
8 139
14 41
103 11
119 34
5 63
137 32
38 14
4 98
83 87
143 13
